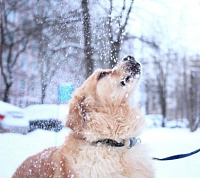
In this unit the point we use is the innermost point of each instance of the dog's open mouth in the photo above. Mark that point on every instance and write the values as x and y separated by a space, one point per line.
129 79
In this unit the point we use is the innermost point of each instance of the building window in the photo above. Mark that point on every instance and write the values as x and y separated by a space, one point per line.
20 103
22 86
12 16
34 67
35 49
32 88
22 64
25 3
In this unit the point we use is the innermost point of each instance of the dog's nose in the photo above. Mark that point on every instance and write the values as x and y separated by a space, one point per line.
132 65
129 58
132 60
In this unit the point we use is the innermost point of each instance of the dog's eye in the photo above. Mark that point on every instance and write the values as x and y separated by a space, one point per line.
101 75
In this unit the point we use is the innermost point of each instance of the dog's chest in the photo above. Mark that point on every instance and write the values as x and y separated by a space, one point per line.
100 162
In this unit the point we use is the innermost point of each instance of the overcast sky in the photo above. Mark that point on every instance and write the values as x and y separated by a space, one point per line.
175 21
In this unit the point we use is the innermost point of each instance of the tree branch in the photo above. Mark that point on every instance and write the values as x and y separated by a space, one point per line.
122 28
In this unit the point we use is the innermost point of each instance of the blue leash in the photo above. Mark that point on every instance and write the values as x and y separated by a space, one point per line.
177 156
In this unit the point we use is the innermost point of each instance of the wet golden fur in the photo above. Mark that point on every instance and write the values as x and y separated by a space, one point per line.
99 109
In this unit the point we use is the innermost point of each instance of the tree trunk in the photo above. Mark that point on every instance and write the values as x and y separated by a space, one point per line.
87 39
192 116
44 88
115 49
6 93
163 108
162 89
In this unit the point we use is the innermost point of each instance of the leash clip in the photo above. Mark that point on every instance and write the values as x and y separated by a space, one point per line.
133 141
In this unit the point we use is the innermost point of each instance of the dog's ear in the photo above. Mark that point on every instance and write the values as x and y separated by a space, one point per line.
75 118
81 105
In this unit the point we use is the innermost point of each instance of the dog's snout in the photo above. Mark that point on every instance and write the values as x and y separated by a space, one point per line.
132 65
131 60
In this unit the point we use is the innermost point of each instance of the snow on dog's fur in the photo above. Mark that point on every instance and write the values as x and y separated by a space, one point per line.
99 110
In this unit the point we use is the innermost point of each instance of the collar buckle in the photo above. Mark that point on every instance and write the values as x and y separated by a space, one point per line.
133 141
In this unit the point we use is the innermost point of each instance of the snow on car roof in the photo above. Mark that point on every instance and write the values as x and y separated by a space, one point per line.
6 107
46 111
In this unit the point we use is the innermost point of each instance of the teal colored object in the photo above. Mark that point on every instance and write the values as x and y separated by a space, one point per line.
65 92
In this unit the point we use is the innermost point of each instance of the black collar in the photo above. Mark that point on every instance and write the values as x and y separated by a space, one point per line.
110 142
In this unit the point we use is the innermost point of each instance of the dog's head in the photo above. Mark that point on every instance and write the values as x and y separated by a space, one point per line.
114 87
105 92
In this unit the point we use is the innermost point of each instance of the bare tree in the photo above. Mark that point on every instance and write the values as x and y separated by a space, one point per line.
55 38
188 91
163 66
14 37
115 25
162 88
116 29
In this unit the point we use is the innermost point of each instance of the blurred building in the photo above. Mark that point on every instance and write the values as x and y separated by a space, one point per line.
24 90
25 72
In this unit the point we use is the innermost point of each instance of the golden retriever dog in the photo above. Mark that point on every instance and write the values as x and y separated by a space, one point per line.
104 131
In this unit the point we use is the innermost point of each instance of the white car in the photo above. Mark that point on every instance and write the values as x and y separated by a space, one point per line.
44 116
12 119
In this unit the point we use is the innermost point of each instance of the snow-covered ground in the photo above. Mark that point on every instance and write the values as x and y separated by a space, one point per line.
167 142
14 148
